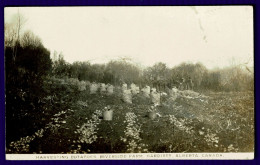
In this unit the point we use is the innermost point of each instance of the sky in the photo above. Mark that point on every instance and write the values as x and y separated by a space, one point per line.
216 36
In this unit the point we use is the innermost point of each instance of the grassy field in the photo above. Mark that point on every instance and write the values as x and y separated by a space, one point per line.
213 122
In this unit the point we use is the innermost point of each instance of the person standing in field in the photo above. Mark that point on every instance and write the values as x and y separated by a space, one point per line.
182 85
190 84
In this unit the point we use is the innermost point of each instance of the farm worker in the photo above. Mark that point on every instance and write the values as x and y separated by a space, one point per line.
190 83
182 84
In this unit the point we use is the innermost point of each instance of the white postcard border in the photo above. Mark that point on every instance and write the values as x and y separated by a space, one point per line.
135 156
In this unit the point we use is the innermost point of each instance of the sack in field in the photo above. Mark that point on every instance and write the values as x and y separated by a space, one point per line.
132 86
103 88
124 87
153 90
137 90
146 91
110 90
127 96
134 89
81 85
175 89
173 92
93 88
155 97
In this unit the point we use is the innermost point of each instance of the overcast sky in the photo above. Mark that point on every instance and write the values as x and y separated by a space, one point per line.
214 36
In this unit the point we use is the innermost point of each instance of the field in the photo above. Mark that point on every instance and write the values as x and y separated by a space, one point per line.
72 122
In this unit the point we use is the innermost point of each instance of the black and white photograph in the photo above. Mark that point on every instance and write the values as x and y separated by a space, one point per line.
129 82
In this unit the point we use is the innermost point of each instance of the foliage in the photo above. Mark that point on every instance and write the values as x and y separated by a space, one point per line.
24 88
184 76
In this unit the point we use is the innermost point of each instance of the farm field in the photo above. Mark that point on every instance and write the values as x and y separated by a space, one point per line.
72 122
102 80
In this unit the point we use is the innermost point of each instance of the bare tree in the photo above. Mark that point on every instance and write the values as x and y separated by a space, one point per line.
12 32
10 35
20 22
29 39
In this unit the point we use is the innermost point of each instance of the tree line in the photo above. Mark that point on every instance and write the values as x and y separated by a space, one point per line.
184 76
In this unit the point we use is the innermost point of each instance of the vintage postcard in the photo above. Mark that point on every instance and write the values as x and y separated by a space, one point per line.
165 82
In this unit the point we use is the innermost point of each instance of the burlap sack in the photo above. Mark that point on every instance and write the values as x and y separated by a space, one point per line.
173 92
137 90
81 85
110 89
155 98
127 96
146 91
134 89
153 90
103 88
124 87
132 86
93 88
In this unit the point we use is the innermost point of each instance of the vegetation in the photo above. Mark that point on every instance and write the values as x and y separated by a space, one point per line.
235 78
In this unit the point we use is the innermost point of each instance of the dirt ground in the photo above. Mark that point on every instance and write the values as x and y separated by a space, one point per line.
213 122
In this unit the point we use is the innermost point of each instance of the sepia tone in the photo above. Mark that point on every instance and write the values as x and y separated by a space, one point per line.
126 92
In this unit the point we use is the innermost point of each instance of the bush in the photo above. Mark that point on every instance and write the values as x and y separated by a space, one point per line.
25 73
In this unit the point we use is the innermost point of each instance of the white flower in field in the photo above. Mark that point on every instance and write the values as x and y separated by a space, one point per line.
63 122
